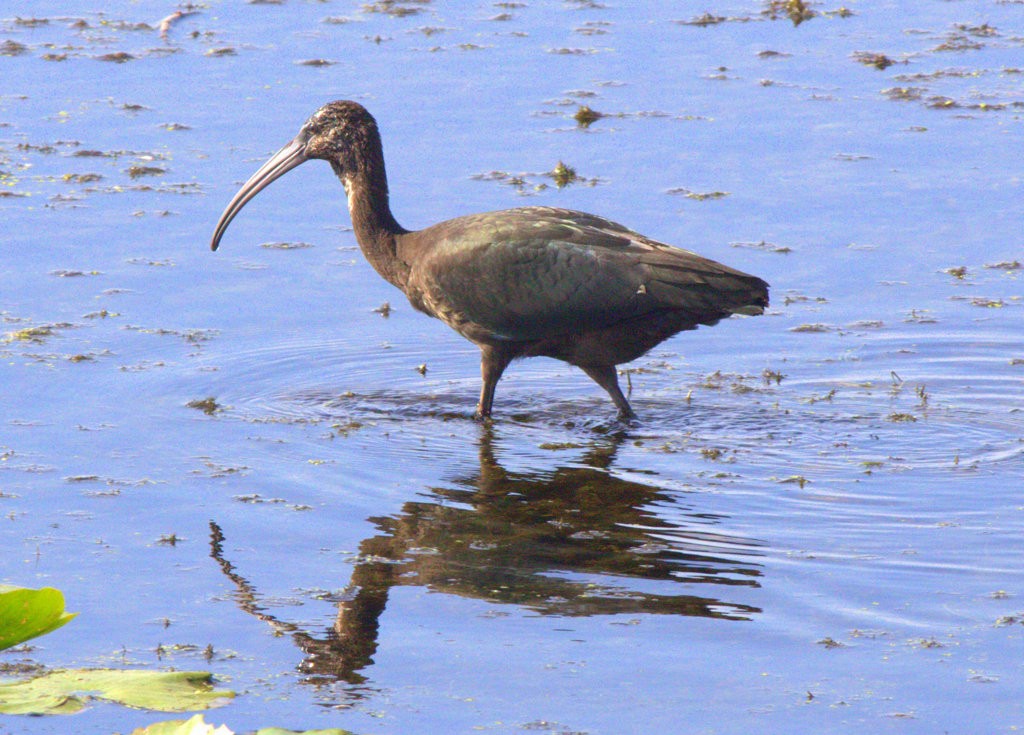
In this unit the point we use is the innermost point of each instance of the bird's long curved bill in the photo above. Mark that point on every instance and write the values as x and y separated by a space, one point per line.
279 164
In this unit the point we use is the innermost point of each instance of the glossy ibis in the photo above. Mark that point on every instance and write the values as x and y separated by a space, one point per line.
526 282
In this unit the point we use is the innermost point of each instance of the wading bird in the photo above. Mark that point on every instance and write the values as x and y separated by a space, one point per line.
525 282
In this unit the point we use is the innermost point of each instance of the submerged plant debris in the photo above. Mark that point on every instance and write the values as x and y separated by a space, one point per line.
879 61
585 116
534 183
699 196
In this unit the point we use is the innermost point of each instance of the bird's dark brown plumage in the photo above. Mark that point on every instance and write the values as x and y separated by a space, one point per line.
527 282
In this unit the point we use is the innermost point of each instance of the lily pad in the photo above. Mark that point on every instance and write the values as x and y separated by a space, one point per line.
279 731
192 726
69 690
27 613
197 726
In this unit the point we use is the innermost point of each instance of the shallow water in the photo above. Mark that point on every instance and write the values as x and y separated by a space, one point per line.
817 525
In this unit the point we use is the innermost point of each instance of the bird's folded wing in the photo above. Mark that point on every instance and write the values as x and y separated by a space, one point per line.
537 272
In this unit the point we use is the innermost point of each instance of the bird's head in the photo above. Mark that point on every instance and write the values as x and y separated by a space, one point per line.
338 132
342 133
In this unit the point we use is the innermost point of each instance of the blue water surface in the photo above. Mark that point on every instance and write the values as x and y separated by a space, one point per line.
233 462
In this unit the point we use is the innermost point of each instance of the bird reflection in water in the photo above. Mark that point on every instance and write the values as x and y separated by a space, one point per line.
575 541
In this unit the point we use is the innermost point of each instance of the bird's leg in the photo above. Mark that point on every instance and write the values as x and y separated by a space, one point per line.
605 376
493 362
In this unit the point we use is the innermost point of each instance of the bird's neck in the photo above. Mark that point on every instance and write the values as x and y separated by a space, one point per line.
375 227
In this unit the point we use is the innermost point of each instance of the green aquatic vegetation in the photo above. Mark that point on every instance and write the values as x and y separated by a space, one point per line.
81 178
703 20
29 334
796 10
986 303
920 316
192 336
395 8
906 94
31 22
198 726
826 397
66 691
28 613
585 116
902 417
922 394
66 273
879 61
959 42
592 28
138 171
566 51
36 335
344 429
43 148
125 25
563 175
429 31
12 48
699 196
256 499
119 57
982 31
798 480
829 642
713 381
209 406
559 446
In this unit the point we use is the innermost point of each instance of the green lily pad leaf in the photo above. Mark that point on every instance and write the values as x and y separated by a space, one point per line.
279 731
66 691
198 726
192 726
26 613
